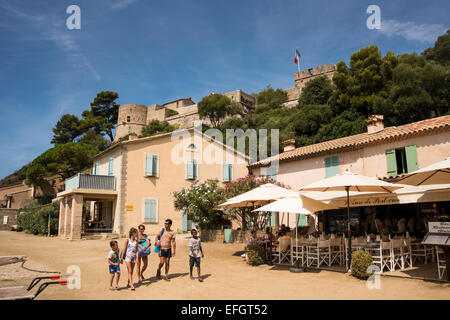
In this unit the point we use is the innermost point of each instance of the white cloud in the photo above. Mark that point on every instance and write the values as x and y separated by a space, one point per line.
412 31
122 4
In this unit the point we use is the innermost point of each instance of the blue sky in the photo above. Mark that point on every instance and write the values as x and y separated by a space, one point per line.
157 51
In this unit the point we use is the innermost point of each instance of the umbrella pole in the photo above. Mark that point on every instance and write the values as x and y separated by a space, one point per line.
349 253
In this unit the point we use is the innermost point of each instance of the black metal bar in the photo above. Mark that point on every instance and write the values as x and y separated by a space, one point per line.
36 280
46 284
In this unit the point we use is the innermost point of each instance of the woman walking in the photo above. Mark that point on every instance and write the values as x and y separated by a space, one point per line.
130 254
143 252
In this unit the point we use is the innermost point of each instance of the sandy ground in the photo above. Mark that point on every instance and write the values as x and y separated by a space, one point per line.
227 276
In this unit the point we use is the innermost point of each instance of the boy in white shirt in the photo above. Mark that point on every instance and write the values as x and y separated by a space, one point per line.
195 248
114 264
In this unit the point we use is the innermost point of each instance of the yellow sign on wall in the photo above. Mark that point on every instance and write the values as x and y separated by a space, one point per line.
129 208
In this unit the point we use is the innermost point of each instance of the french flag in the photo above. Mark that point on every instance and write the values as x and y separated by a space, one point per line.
296 57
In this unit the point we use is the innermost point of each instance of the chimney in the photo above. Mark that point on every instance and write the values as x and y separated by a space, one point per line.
289 145
374 123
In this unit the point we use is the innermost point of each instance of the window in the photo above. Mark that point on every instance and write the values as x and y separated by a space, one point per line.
192 147
271 219
128 118
111 167
271 173
227 172
191 169
96 168
331 166
186 224
301 220
401 160
150 212
151 165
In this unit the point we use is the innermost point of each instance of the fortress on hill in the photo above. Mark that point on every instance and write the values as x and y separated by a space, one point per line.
133 117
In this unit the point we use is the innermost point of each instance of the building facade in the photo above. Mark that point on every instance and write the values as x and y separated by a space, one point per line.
132 182
383 153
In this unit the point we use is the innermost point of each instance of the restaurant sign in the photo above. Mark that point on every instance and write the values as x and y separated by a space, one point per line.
439 227
363 202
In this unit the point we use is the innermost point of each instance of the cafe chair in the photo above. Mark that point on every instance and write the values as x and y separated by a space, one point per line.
318 253
397 254
382 256
284 250
441 263
407 255
298 252
423 252
337 253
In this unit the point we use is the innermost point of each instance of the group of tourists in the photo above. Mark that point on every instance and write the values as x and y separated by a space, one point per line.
137 248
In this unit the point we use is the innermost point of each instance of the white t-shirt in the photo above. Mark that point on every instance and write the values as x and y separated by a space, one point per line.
114 256
195 245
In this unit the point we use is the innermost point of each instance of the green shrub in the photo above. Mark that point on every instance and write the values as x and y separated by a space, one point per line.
34 219
361 260
255 254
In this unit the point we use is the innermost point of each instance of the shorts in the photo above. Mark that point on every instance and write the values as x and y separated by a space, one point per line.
165 253
113 269
130 259
194 260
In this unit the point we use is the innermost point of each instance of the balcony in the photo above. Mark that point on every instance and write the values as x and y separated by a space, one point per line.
87 181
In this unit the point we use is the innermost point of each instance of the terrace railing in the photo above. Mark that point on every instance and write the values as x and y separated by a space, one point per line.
87 181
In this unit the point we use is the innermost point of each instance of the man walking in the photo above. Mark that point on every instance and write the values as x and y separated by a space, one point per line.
165 240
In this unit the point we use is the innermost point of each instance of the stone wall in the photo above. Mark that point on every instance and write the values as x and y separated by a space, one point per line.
12 218
238 236
303 77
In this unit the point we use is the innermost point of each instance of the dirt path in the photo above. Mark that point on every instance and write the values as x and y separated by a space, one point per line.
228 276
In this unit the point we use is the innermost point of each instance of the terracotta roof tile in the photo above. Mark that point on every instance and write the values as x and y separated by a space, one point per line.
359 140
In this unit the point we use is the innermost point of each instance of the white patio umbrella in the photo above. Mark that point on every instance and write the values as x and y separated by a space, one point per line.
348 181
259 196
296 204
437 173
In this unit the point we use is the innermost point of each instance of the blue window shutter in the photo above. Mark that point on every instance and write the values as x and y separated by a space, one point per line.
226 178
150 210
227 172
190 169
153 210
147 209
110 167
331 166
411 158
301 222
154 165
272 219
148 164
96 168
272 173
195 165
391 162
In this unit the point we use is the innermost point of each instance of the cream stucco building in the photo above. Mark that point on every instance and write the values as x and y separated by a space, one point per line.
132 182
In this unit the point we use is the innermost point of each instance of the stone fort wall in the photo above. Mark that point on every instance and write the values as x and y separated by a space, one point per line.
133 117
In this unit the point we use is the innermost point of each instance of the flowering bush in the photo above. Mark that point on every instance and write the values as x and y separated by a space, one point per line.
255 254
361 260
244 215
34 218
200 201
